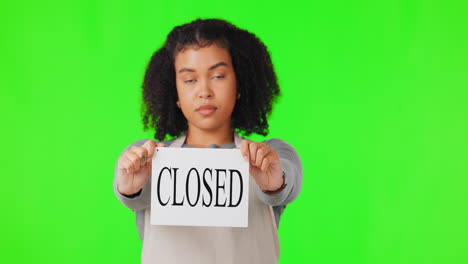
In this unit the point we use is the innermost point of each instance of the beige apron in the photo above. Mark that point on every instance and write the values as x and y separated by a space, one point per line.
258 243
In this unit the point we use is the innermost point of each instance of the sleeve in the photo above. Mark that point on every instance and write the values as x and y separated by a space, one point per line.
292 168
134 202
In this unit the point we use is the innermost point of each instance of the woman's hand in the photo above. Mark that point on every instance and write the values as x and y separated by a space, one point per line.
134 167
265 165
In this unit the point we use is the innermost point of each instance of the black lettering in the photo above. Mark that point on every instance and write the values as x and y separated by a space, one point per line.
187 187
230 188
208 188
219 187
159 186
175 188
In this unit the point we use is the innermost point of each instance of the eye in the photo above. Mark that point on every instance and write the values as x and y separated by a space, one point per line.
218 77
189 81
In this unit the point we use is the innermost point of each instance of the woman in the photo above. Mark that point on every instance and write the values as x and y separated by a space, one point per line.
209 81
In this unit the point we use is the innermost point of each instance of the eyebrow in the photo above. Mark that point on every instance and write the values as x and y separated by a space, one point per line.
219 64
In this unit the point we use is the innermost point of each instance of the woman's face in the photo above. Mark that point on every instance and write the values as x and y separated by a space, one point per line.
206 87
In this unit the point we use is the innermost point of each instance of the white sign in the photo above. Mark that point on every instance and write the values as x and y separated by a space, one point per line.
199 187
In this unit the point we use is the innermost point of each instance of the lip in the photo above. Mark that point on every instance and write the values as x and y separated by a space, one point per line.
206 109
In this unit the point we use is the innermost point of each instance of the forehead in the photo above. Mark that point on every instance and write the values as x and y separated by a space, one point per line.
201 58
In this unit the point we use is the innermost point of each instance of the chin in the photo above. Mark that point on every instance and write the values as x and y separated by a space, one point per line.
208 125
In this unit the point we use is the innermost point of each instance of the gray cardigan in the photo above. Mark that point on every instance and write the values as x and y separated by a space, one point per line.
290 164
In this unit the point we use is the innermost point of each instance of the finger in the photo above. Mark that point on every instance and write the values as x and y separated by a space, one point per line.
253 147
149 146
160 145
142 154
144 165
244 148
121 164
265 163
262 152
135 159
147 165
127 165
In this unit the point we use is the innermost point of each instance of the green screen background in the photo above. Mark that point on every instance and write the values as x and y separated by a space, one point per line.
374 99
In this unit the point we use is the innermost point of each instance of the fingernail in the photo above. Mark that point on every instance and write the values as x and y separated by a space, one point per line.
246 158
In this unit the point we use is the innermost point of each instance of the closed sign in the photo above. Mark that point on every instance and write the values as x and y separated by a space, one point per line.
199 187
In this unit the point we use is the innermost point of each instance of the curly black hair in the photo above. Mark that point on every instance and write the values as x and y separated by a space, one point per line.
256 79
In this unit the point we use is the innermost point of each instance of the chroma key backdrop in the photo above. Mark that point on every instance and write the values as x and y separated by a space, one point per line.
374 99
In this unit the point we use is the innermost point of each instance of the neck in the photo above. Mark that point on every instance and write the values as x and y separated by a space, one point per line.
203 139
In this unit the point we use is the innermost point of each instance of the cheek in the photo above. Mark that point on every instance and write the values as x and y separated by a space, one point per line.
183 94
233 92
184 101
230 101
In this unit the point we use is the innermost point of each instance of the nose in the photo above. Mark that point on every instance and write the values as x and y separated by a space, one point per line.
205 90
